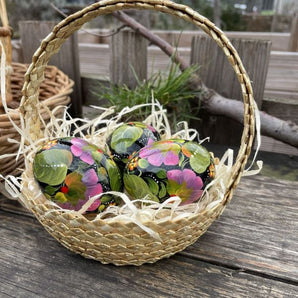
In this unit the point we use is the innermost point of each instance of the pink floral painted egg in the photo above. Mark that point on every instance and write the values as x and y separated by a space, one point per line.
169 168
129 138
70 171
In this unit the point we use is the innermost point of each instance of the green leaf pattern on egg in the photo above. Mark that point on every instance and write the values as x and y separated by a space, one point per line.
51 166
114 174
70 171
125 137
199 157
129 138
138 188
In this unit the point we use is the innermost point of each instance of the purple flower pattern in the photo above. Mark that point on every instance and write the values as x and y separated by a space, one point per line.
162 152
77 149
185 184
90 179
168 168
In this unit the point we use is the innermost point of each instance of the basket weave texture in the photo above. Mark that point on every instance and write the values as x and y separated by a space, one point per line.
123 242
54 91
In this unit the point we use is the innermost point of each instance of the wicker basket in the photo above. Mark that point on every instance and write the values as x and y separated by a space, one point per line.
123 242
54 91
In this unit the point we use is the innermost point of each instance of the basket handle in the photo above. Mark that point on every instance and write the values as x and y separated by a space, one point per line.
52 43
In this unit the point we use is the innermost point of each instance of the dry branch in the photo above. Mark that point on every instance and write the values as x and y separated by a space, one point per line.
154 39
213 102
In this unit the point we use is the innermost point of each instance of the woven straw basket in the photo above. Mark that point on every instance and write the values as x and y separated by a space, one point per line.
124 242
54 91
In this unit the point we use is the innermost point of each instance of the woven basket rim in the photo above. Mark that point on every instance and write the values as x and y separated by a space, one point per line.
65 91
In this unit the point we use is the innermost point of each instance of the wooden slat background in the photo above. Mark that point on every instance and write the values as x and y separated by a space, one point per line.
280 41
217 74
281 83
282 78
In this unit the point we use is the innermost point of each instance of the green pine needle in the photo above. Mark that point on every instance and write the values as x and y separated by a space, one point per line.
170 88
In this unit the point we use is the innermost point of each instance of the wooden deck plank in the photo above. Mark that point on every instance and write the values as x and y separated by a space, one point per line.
33 264
272 145
257 231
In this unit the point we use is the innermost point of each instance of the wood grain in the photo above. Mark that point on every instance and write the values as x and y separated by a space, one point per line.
67 59
271 145
257 231
217 74
33 265
282 75
279 40
128 58
286 109
293 42
281 81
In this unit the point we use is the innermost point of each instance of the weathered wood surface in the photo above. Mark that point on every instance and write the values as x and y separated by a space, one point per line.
258 231
281 79
250 251
271 145
293 42
279 40
94 59
35 265
128 58
67 59
217 74
282 75
286 109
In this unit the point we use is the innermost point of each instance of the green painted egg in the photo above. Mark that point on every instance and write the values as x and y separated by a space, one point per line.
169 168
129 138
70 171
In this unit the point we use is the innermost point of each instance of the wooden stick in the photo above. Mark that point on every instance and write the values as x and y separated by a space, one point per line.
164 46
6 41
4 18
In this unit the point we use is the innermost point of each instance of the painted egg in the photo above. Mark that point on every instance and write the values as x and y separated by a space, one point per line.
70 171
169 168
129 138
